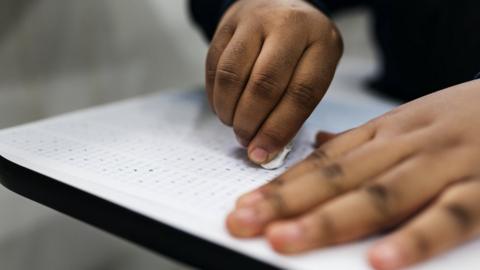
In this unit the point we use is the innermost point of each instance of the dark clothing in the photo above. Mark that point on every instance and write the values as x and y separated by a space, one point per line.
425 45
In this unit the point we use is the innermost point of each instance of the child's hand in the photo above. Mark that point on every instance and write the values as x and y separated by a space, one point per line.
417 166
269 64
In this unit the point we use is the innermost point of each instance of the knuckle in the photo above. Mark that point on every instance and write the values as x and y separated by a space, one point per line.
273 137
320 154
330 176
380 197
319 157
272 185
227 75
210 75
303 95
239 49
292 15
461 215
377 123
422 244
336 38
329 35
324 222
226 29
264 86
387 120
277 203
332 171
371 130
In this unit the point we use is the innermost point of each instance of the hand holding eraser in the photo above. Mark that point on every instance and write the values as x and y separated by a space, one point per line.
279 160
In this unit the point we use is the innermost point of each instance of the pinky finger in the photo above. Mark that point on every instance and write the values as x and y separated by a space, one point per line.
452 220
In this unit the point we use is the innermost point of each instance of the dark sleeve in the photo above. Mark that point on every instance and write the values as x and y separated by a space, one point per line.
334 6
207 13
478 76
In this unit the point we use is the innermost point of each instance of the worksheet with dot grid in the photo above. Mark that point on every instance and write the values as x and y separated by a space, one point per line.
168 157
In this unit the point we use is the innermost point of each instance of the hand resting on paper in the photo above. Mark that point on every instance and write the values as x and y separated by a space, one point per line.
415 169
269 64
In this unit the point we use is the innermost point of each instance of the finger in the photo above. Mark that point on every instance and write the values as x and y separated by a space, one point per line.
268 81
322 137
233 70
219 43
320 185
305 90
380 204
455 218
337 147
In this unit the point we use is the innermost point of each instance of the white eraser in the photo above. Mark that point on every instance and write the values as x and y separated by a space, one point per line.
279 160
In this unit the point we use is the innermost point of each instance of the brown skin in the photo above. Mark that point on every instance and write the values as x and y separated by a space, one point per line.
269 65
415 169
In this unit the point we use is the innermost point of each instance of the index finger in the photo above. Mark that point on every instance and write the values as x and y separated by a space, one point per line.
340 145
306 88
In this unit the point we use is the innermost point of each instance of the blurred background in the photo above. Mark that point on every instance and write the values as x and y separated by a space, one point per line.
58 56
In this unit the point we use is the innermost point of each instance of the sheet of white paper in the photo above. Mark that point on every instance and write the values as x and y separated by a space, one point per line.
167 157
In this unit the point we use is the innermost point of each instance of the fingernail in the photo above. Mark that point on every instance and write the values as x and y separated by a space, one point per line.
259 155
251 199
387 256
286 238
289 232
244 222
246 216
